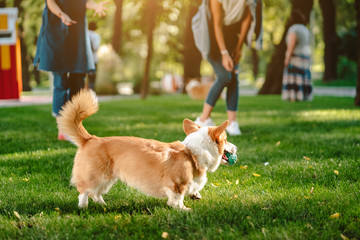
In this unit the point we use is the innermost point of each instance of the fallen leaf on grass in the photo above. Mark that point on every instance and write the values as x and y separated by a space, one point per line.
215 184
306 158
308 225
228 181
311 191
336 172
57 209
117 217
243 167
164 235
251 224
344 237
335 215
25 179
17 214
256 175
264 230
278 143
235 196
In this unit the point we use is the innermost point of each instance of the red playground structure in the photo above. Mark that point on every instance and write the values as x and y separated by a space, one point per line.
10 55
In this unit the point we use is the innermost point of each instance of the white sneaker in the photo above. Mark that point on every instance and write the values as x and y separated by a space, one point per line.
207 123
233 129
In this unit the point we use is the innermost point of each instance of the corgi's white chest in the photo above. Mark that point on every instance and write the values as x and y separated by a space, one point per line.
197 184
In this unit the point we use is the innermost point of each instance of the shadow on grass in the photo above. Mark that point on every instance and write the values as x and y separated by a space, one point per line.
68 205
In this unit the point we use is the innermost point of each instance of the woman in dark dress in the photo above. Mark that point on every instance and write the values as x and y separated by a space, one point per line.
63 47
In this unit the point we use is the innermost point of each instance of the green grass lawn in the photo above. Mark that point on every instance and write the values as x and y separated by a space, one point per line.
297 175
336 83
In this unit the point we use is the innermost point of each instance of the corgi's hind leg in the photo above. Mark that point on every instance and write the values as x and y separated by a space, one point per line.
99 199
102 189
83 200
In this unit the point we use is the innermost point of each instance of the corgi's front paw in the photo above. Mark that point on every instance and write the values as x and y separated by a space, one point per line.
196 196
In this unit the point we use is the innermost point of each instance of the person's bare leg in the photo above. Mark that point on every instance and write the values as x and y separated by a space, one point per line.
231 116
206 112
233 128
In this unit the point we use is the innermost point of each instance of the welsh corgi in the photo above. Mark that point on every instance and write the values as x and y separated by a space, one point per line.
198 90
169 170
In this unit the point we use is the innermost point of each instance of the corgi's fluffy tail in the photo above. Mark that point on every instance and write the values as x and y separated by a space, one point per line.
81 106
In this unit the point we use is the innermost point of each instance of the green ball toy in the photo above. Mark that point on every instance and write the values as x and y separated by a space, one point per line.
232 158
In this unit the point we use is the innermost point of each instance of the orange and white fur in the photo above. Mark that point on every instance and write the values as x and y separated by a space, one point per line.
159 169
200 90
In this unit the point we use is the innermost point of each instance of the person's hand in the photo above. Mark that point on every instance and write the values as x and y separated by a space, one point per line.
227 62
236 56
67 20
287 60
100 9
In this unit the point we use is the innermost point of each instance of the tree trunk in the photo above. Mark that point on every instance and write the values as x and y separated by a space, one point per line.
116 41
24 55
357 7
330 39
25 63
255 62
192 56
274 71
151 8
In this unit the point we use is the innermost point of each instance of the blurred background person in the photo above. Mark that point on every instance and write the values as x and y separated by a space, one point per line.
297 76
231 27
63 47
95 40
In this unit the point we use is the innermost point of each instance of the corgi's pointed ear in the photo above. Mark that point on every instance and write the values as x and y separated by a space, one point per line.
220 129
189 126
